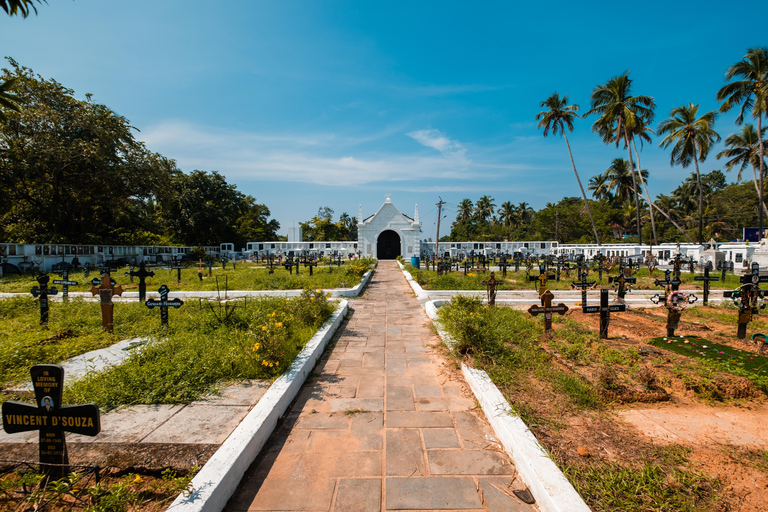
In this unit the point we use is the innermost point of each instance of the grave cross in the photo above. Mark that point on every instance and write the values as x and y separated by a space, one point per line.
605 311
164 303
106 290
491 283
65 283
178 267
674 300
542 279
600 268
677 263
623 283
748 298
674 284
547 308
503 265
142 274
516 259
51 418
583 284
43 292
706 278
311 263
86 270
200 265
271 264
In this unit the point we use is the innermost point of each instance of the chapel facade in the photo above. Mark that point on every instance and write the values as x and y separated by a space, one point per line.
389 233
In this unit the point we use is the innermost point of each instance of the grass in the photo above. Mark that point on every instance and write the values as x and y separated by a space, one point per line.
182 362
245 276
721 357
428 279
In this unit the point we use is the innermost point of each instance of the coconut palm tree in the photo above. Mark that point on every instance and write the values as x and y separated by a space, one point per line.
691 139
524 213
13 7
484 208
620 180
744 149
559 117
600 187
507 214
465 210
619 116
752 93
641 132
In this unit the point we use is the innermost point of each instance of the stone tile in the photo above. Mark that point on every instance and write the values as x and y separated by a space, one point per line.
341 391
421 391
405 454
432 494
440 438
344 405
127 425
498 500
371 387
474 434
358 495
397 367
322 420
400 398
242 393
419 420
374 359
284 494
368 429
468 462
336 463
204 424
444 403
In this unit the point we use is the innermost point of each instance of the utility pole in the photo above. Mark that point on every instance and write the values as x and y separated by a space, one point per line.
439 214
557 225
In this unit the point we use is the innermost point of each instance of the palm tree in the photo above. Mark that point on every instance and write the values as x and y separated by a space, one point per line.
345 220
8 100
600 187
12 7
524 213
484 208
752 93
507 214
641 132
692 139
559 116
620 180
619 117
744 149
465 210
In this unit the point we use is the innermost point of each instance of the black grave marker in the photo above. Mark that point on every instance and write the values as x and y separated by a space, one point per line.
707 279
142 274
605 311
748 298
164 303
65 283
491 284
547 308
43 292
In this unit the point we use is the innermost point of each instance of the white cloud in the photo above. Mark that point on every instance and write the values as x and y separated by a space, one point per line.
433 138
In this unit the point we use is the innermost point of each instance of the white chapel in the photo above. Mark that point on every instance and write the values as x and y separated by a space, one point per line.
388 233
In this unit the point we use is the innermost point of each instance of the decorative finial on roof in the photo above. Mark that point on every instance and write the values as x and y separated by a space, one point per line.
416 215
389 200
360 214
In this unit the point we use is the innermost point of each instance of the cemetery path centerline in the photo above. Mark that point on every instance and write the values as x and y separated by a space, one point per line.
384 423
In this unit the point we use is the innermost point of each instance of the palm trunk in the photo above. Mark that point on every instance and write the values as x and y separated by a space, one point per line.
757 187
634 185
701 200
583 194
665 214
647 195
760 189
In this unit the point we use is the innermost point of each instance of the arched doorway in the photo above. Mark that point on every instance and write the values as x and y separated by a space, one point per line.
388 245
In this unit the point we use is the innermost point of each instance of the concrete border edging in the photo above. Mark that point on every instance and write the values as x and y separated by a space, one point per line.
553 492
218 479
417 289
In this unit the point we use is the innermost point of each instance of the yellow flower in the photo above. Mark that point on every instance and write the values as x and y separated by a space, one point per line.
319 290
256 347
137 480
264 362
270 365
263 327
273 314
279 324
277 363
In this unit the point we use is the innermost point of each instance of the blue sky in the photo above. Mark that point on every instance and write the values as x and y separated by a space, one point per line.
336 103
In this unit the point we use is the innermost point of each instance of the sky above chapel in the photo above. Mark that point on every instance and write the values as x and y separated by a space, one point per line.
305 104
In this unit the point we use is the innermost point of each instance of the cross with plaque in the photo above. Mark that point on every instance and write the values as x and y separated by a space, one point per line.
605 311
65 283
622 282
673 299
86 270
164 303
178 267
707 279
142 274
748 298
43 292
503 265
547 308
311 263
51 419
600 268
106 288
677 263
200 265
491 284
583 284
668 281
542 279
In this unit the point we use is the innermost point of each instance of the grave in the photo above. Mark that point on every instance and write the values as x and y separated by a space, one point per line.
65 283
542 279
51 419
178 267
605 311
164 303
749 298
623 283
106 288
43 292
673 299
547 308
706 278
142 274
491 284
583 285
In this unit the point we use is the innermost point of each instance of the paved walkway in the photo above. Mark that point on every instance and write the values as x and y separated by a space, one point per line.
383 424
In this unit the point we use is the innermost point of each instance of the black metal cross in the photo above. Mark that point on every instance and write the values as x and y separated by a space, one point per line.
542 279
164 303
605 311
623 283
707 279
668 281
51 418
65 283
43 292
311 263
583 284
747 297
142 274
178 268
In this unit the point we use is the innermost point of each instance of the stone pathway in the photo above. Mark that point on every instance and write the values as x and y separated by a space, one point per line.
385 423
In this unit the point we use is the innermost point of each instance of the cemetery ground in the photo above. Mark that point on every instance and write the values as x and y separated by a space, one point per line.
633 424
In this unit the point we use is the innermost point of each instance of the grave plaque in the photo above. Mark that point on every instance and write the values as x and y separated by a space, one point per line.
542 279
623 283
164 303
547 308
605 311
106 289
65 283
583 285
51 418
43 292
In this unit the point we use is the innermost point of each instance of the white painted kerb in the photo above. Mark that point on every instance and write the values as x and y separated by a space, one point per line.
219 478
553 492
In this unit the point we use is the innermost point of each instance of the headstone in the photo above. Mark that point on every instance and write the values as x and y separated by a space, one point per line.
491 284
43 292
142 274
547 308
605 311
106 289
51 419
65 283
164 303
674 300
623 283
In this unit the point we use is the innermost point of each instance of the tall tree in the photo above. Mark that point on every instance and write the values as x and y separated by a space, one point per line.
484 208
751 91
691 139
620 114
507 214
641 132
465 210
744 149
23 7
557 118
600 187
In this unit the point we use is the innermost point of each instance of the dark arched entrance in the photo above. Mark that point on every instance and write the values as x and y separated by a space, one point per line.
388 245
